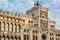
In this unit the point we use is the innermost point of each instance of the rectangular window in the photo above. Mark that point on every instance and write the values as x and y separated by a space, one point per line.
27 37
24 37
33 37
36 37
24 30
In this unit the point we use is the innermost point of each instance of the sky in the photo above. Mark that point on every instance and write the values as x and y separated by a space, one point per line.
21 6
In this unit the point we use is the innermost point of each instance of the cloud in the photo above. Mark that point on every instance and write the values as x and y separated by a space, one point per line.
22 5
55 15
3 4
54 10
16 5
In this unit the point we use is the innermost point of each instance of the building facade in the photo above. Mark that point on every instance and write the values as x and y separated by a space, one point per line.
34 25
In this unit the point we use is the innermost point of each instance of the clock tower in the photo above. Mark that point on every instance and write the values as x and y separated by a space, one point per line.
40 16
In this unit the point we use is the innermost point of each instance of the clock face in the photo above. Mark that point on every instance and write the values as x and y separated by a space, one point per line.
43 36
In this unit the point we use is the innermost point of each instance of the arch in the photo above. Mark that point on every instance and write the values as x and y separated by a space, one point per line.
0 22
7 26
0 25
19 38
28 21
3 36
15 27
7 36
11 37
0 37
12 26
8 23
3 23
15 37
19 27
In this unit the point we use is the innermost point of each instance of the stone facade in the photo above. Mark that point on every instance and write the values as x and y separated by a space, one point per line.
34 25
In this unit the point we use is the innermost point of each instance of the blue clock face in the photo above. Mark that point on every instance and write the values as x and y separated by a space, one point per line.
43 36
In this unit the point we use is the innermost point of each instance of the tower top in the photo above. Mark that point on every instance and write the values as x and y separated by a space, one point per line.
37 3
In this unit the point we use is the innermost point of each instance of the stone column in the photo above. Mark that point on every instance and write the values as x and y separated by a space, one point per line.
54 37
0 25
22 34
31 35
39 34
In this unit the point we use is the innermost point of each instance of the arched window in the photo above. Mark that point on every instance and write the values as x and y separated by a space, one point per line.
11 38
15 38
3 26
15 27
26 37
12 26
19 38
23 20
32 15
0 25
3 37
0 37
7 26
19 26
29 21
7 37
